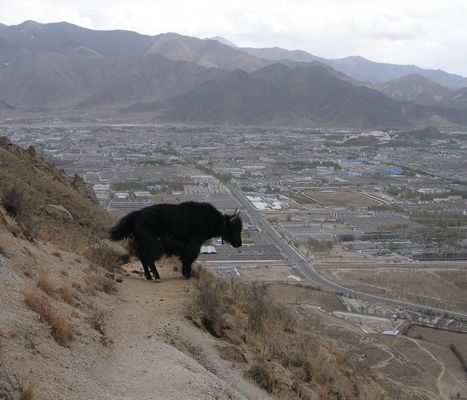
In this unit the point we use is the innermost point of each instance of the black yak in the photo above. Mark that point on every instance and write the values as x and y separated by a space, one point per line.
175 229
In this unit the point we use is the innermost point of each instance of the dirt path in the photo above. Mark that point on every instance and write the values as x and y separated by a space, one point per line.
443 383
159 354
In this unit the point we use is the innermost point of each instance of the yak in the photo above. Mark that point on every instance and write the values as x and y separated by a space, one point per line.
175 229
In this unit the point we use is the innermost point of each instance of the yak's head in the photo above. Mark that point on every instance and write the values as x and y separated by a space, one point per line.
232 232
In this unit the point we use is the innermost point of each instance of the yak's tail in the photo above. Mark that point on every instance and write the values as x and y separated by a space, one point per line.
125 227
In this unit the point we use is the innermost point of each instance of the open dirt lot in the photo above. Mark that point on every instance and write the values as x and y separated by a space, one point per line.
442 288
291 293
341 198
440 337
269 273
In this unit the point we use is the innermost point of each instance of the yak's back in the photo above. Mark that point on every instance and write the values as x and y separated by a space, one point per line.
184 220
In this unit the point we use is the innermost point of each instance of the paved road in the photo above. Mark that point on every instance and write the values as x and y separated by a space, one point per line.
307 270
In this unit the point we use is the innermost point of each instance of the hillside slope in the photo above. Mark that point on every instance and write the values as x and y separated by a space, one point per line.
67 331
48 203
73 323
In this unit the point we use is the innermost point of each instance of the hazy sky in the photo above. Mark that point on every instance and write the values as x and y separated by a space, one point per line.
429 33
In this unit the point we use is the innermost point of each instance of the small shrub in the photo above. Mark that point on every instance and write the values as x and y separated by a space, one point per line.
17 204
106 257
14 202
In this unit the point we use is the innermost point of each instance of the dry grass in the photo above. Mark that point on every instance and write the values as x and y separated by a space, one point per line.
106 257
28 392
285 358
96 282
45 283
67 294
28 188
62 330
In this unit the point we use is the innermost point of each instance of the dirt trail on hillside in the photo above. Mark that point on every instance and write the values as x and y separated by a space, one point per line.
158 353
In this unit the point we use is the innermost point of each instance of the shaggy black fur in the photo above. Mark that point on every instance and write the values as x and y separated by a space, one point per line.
175 229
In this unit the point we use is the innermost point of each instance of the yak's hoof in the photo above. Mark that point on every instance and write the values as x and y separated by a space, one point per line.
149 277
187 276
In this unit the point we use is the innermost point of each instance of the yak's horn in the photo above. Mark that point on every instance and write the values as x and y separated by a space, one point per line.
235 215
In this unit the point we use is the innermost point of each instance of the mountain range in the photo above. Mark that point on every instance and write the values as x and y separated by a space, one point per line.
176 78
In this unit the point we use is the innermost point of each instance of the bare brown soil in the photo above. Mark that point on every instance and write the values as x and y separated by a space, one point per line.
295 294
442 288
341 198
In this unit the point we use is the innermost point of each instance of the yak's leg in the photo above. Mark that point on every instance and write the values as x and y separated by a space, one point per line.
146 250
157 251
190 253
147 273
157 277
142 254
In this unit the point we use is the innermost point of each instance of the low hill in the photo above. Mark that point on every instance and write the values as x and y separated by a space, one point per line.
46 202
457 99
278 94
414 88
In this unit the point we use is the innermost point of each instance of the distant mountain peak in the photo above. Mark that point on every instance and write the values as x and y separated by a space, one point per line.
222 40
29 22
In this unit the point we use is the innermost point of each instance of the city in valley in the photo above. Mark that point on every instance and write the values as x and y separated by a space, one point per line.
363 233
